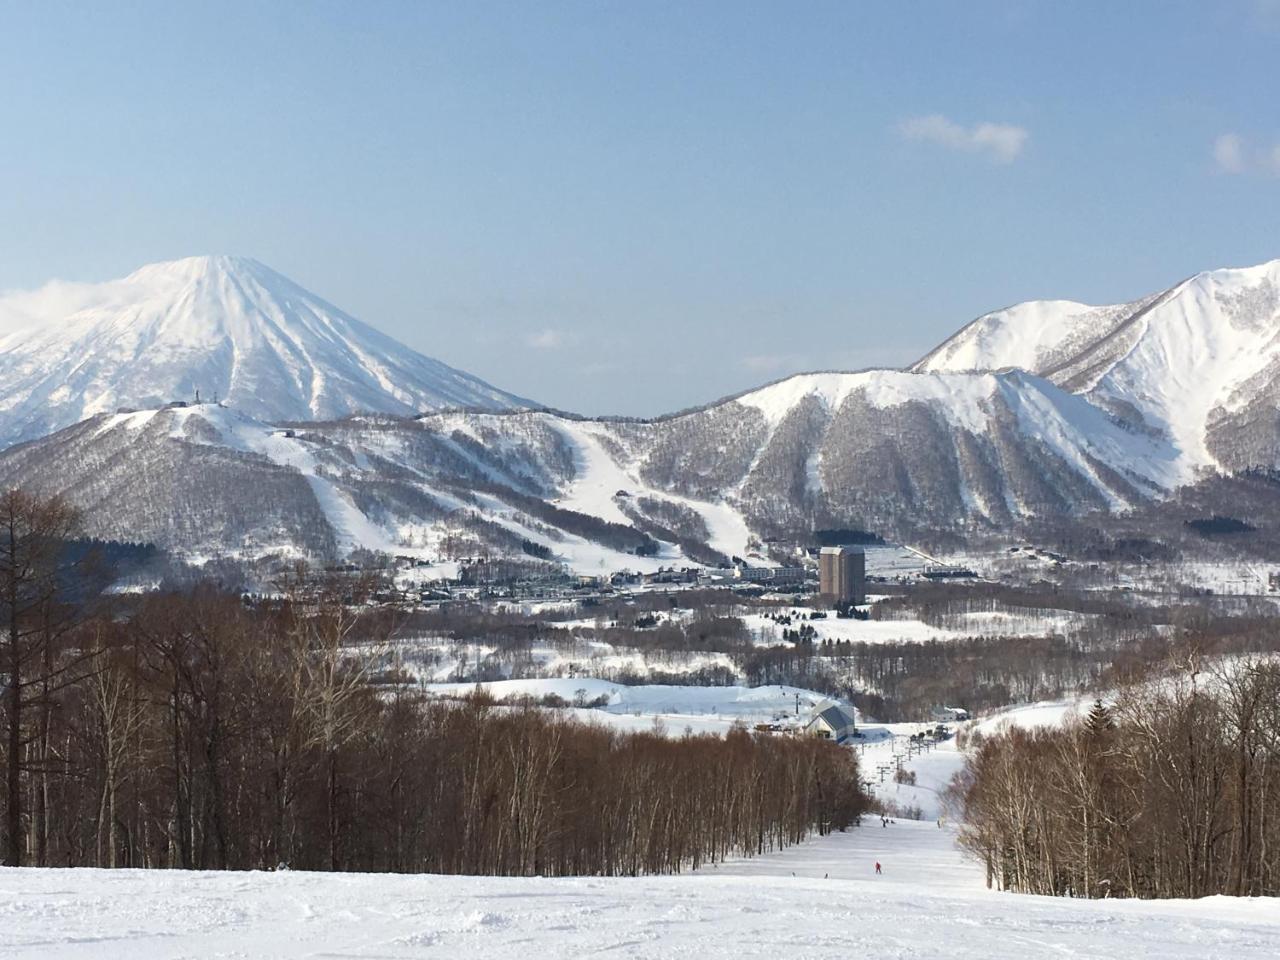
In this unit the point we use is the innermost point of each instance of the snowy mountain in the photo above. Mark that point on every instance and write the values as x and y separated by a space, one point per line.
205 480
902 453
224 326
893 452
1050 413
1197 365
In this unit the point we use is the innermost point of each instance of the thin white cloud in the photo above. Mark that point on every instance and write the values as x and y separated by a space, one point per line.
1228 153
50 303
1234 155
546 339
998 142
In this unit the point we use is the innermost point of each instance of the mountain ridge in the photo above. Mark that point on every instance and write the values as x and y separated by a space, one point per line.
947 453
1198 363
889 451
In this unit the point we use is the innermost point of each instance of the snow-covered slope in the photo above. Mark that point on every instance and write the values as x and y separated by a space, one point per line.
205 480
880 449
888 451
1198 364
224 326
1036 335
819 900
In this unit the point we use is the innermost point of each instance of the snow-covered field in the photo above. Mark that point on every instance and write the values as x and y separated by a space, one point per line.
987 624
821 899
1234 578
673 707
1047 713
439 660
673 710
769 632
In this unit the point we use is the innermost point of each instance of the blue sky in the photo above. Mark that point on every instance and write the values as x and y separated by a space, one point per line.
632 207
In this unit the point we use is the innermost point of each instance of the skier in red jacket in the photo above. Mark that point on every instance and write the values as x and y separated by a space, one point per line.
877 868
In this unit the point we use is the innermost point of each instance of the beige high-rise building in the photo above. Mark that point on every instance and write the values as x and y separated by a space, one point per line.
842 575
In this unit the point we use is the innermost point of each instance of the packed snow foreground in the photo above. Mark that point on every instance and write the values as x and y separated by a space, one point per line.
819 899
822 898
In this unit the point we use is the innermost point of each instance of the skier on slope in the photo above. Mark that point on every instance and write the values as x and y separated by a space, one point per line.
877 868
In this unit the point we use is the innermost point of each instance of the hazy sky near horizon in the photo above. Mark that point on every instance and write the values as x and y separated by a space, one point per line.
633 207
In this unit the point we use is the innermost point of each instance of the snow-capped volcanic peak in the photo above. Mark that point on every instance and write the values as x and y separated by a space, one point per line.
224 326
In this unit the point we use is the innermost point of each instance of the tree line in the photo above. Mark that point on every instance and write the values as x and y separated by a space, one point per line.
202 730
1173 791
